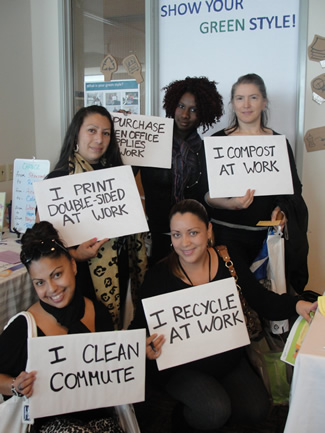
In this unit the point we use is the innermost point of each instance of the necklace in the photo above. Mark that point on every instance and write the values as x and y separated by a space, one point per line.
183 270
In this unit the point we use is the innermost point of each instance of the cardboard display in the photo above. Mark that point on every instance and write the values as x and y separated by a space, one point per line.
96 204
197 322
86 371
144 141
238 163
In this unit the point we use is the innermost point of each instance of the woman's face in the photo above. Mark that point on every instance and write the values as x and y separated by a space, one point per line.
94 137
54 280
248 103
186 115
189 235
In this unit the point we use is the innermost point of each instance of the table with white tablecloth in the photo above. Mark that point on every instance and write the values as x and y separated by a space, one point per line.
16 289
307 397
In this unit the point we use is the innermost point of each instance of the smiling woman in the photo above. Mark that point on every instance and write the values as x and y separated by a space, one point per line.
104 266
212 389
61 309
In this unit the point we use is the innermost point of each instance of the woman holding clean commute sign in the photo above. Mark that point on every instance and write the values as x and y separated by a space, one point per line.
213 389
104 266
60 310
235 218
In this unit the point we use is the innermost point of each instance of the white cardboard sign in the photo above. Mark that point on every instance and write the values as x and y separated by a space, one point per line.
101 203
238 163
197 322
86 371
144 140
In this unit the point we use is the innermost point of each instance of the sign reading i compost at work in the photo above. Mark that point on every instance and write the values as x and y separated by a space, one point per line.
26 173
238 163
96 204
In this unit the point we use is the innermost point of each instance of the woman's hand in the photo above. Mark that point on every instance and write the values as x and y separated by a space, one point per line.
244 202
232 203
277 215
24 383
87 250
154 345
303 308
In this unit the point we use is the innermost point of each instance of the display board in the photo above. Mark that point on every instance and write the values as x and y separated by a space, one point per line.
224 39
26 172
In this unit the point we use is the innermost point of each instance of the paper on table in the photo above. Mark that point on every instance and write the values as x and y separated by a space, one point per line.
321 304
294 341
9 257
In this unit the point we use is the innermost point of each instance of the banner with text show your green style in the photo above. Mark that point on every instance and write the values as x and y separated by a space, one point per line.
224 39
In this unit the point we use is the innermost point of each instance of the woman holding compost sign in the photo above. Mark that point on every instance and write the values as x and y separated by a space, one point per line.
61 309
235 218
106 266
215 388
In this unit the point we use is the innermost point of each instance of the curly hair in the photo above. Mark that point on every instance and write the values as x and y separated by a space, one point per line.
112 156
208 101
42 240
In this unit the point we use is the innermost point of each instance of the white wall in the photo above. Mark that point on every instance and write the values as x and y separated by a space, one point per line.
30 90
17 134
46 78
313 177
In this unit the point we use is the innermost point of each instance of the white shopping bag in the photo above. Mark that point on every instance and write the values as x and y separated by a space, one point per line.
269 269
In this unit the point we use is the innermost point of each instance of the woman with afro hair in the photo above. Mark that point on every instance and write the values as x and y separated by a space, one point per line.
193 102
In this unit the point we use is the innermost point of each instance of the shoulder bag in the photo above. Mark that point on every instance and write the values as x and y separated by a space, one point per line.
14 411
253 323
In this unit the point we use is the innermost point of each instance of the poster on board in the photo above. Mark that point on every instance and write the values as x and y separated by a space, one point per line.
238 163
26 173
96 204
229 38
197 322
114 95
86 371
144 141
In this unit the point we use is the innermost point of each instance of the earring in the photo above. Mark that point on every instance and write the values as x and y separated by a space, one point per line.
76 148
210 243
103 161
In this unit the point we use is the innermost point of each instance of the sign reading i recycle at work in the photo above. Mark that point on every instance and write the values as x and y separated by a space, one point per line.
197 322
96 204
238 163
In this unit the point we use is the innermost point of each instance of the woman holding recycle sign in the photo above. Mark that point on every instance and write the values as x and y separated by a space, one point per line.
235 218
60 310
104 266
219 387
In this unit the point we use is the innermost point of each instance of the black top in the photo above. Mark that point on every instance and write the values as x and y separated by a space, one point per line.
158 186
13 352
160 280
262 206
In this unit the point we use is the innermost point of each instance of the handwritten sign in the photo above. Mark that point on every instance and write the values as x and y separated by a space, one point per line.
86 371
238 163
101 203
144 140
197 322
26 173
